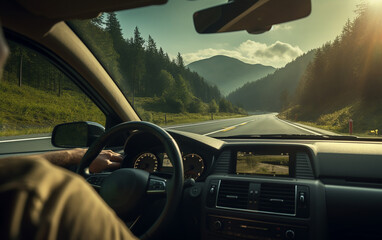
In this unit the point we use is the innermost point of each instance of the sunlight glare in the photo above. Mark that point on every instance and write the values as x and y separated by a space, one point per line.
373 2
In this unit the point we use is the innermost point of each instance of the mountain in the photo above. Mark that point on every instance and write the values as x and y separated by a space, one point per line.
272 91
228 73
142 70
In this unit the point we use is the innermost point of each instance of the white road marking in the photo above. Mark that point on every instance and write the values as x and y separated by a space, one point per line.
227 128
202 123
23 139
299 127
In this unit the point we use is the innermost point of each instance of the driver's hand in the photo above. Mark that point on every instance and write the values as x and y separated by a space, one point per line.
107 159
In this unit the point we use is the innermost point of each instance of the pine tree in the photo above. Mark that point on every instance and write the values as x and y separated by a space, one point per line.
179 60
138 41
151 45
138 67
113 27
161 53
99 21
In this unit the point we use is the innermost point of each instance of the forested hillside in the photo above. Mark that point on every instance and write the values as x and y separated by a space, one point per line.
227 73
143 70
272 92
25 67
344 81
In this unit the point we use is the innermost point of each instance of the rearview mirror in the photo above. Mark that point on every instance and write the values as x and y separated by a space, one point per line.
254 16
76 134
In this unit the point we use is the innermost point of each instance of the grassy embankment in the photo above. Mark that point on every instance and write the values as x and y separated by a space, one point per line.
146 106
366 119
26 110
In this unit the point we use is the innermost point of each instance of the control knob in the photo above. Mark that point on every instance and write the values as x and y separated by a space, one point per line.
217 225
289 234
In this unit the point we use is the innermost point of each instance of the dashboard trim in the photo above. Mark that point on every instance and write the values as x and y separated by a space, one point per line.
217 194
250 220
258 211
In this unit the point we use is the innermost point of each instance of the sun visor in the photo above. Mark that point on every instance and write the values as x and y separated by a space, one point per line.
80 9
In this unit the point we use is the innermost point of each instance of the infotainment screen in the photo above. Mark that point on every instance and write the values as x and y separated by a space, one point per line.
252 163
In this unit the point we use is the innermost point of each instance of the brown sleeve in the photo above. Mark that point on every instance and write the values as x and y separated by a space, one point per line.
46 202
80 213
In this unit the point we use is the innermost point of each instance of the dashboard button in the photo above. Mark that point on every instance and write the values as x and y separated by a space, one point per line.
211 194
212 189
302 198
195 191
217 225
289 234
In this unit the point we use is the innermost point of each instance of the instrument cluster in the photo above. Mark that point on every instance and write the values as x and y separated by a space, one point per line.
193 163
144 151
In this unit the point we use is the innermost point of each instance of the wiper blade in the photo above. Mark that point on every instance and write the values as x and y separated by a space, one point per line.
292 136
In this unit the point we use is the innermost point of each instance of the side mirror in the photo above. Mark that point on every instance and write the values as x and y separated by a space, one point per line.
76 134
254 16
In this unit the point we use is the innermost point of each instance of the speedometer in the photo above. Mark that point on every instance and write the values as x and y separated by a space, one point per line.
193 166
146 161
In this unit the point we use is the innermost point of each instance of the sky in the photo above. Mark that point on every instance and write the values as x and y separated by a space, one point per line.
171 26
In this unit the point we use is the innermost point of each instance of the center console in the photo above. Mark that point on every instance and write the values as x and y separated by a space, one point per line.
256 197
252 229
262 196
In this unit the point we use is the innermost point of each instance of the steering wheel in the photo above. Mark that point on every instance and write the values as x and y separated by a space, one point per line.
126 188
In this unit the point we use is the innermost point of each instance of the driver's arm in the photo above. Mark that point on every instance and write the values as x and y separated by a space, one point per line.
107 159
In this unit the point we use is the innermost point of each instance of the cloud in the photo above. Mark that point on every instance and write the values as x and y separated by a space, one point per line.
277 54
281 27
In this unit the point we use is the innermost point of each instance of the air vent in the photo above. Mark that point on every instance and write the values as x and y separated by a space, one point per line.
233 194
303 167
278 198
222 163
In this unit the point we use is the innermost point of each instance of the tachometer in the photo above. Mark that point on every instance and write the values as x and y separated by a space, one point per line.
147 161
193 166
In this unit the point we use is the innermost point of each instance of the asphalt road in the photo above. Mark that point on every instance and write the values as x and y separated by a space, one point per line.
258 124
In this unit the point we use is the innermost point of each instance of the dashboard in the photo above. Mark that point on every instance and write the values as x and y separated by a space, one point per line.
272 189
144 151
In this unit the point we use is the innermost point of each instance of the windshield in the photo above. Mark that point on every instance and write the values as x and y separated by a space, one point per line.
319 75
